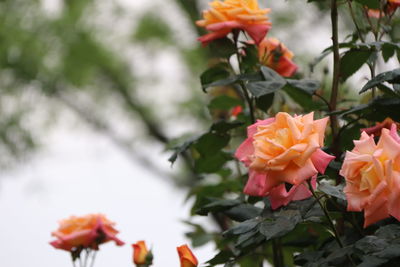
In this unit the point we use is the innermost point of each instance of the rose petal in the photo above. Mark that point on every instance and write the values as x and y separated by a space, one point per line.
321 160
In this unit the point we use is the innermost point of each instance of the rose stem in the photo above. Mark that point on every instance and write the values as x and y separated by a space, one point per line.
242 84
336 76
93 258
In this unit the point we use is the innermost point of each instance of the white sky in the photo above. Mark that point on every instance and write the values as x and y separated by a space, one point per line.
81 173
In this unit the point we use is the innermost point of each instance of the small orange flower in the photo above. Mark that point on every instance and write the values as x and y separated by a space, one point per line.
140 252
87 231
186 257
275 55
223 17
236 111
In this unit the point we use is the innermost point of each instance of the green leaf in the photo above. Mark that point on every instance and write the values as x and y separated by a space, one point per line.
271 75
335 191
388 51
224 102
243 212
308 86
212 162
392 76
217 75
222 47
218 205
373 4
211 143
302 97
225 126
265 102
262 88
242 228
352 61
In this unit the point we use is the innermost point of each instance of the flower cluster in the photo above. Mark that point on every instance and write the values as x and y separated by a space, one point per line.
372 173
225 17
281 150
86 233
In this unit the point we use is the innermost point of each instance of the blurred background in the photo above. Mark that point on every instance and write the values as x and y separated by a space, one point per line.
93 94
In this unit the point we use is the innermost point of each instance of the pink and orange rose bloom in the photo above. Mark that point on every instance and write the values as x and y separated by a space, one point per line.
372 173
186 257
225 16
87 231
281 150
275 55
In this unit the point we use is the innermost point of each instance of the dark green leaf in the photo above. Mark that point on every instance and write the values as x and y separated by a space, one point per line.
224 126
243 212
271 75
217 75
218 205
222 47
242 228
224 102
265 102
308 86
373 4
335 191
392 76
259 89
212 162
211 143
352 61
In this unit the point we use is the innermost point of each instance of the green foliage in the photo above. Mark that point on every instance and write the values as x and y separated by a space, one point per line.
151 27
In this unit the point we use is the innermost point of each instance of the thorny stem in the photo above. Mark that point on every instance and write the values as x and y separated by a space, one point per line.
336 76
277 253
353 17
242 84
326 215
249 102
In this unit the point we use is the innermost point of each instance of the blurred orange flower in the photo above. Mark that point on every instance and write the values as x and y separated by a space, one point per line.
87 231
376 130
186 257
372 173
140 252
223 17
390 8
272 53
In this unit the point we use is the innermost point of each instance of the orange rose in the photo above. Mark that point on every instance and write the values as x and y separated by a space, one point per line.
225 16
372 173
87 231
275 55
281 150
141 253
376 130
186 257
